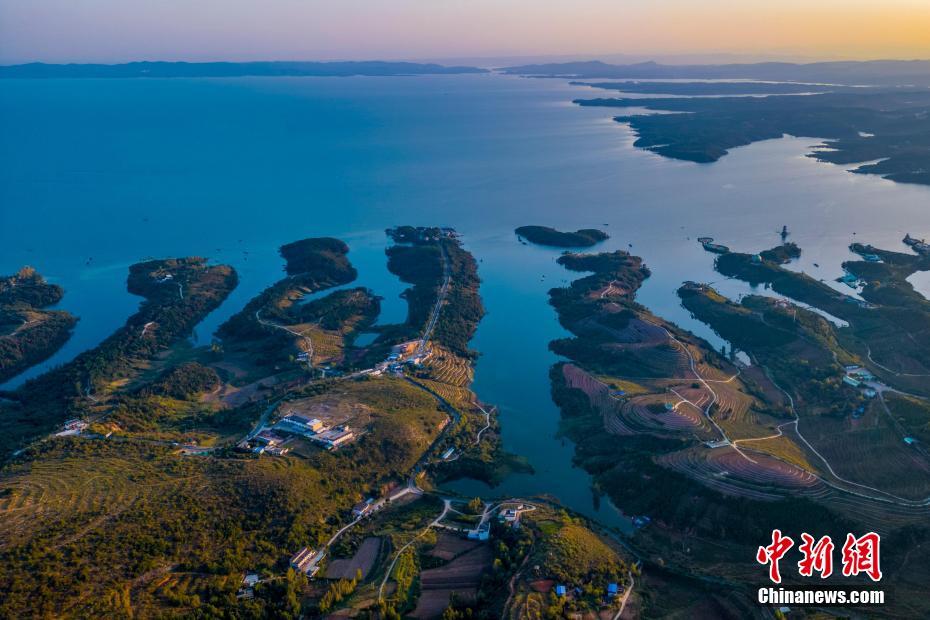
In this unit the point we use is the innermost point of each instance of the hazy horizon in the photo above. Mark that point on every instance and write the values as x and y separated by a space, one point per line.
114 31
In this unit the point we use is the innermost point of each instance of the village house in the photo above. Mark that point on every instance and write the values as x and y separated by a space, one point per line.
269 438
75 426
307 561
334 437
299 424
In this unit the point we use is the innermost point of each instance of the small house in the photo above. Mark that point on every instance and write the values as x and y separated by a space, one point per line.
250 580
612 590
910 441
296 423
448 453
560 590
269 438
334 437
850 381
307 561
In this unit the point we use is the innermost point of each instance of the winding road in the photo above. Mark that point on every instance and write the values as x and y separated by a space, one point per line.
446 506
306 338
713 401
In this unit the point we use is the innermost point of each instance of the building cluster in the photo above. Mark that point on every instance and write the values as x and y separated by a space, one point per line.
315 430
860 378
614 591
308 560
74 426
406 353
247 589
272 440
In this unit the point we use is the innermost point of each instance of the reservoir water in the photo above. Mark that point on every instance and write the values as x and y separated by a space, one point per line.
98 174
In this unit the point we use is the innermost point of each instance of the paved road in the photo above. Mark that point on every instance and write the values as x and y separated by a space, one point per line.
446 505
262 421
440 299
306 338
886 497
626 596
713 401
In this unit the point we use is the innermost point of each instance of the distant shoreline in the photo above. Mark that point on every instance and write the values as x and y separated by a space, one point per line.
231 69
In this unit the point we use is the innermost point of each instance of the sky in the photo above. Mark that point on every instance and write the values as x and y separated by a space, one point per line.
205 30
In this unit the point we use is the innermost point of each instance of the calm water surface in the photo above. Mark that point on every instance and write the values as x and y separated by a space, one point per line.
98 174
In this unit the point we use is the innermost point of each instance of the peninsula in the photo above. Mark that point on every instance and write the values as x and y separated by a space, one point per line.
29 332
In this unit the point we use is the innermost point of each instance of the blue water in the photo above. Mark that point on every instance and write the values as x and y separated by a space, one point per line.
97 174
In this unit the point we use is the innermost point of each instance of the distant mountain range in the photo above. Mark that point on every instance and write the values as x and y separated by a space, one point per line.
228 69
874 72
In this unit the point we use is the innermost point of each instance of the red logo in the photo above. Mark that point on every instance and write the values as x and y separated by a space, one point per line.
817 557
773 553
860 555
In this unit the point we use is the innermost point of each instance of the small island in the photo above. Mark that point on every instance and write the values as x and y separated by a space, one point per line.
29 332
543 235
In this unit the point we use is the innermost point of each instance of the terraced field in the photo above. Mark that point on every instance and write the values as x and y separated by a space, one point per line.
446 367
870 454
43 491
462 398
650 413
328 346
782 448
756 476
460 578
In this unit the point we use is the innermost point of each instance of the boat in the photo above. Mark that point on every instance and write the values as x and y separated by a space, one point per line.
710 246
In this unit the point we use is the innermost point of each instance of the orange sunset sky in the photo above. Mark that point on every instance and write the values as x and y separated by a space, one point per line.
119 30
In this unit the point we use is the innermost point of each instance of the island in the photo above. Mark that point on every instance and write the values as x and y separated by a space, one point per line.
29 332
177 294
859 125
696 89
814 409
851 72
543 235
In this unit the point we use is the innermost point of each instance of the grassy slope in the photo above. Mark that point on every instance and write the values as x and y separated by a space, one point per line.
76 540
